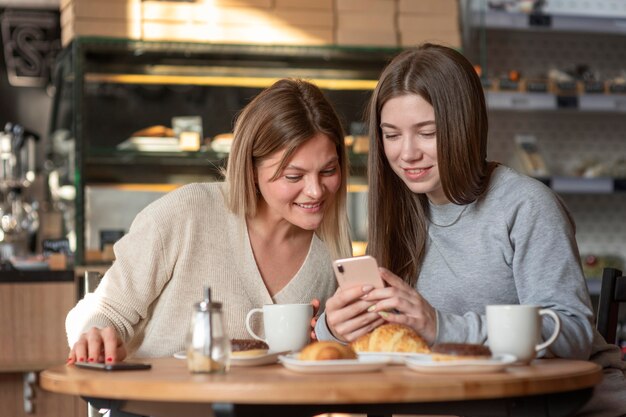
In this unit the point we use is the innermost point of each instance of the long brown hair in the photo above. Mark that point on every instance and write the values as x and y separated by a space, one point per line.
283 117
398 218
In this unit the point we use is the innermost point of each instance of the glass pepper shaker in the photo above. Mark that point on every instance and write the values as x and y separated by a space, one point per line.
208 345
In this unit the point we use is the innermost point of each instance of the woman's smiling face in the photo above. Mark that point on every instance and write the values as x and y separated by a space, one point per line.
409 137
306 187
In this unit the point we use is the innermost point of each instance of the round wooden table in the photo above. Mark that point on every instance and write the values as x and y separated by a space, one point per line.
557 385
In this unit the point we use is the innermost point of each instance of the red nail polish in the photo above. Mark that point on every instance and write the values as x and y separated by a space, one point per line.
90 359
81 359
109 359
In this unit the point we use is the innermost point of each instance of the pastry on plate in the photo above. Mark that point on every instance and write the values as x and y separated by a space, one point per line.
391 337
459 351
327 350
158 131
248 347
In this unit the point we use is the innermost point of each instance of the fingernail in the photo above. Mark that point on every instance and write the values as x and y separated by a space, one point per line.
90 359
81 359
372 308
367 288
68 360
109 359
383 314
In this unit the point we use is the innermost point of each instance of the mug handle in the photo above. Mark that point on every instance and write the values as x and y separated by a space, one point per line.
248 327
557 329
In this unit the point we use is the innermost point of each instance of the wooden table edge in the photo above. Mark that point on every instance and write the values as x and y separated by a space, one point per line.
402 385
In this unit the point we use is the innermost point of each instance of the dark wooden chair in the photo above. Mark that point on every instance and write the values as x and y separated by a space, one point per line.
612 293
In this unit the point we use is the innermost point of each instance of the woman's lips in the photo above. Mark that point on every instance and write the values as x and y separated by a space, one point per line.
416 173
311 206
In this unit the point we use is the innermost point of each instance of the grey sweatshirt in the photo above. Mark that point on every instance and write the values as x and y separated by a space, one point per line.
514 245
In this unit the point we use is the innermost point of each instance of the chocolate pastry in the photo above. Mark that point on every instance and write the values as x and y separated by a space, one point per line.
459 351
239 345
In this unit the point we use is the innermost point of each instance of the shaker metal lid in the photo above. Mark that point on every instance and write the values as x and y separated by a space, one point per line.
207 304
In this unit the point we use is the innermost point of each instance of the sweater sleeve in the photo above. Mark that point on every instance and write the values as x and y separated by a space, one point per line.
129 287
546 271
322 331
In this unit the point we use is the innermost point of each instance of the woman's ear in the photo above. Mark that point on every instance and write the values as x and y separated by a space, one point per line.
255 174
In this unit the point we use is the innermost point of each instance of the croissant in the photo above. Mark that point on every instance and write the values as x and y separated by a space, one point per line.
321 351
391 338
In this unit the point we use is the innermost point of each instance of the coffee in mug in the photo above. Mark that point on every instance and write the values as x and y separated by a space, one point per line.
516 329
287 326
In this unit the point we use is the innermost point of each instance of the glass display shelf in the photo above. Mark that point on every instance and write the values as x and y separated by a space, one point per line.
110 90
204 162
127 61
130 157
521 101
495 19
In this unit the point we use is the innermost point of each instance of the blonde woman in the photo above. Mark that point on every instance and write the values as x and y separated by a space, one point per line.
265 235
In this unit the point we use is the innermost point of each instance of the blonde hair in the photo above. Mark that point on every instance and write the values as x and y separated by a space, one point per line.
281 118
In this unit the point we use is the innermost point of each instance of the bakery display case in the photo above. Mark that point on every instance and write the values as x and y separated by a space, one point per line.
553 75
134 119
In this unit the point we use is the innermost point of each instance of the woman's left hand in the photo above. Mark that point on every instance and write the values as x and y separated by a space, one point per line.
400 303
316 308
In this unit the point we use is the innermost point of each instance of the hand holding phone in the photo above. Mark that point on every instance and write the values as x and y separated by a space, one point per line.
357 271
117 366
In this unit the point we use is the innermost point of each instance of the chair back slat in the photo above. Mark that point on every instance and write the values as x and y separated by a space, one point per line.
620 289
613 291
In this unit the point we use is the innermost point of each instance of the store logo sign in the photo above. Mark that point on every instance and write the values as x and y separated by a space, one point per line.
31 42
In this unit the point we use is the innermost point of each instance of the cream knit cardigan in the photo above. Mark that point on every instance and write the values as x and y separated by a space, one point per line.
177 245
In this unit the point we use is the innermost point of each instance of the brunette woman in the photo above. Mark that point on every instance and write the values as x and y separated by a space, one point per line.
456 232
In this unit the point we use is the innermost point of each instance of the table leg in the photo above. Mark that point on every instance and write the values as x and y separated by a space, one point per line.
112 405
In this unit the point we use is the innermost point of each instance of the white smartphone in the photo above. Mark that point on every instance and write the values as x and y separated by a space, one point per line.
360 270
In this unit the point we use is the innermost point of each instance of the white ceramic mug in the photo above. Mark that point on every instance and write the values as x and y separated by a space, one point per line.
287 326
516 329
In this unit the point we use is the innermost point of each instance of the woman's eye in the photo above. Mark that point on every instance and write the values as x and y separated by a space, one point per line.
293 178
390 135
330 171
428 135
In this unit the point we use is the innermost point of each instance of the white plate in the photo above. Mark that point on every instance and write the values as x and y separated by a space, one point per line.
396 358
258 360
362 364
150 144
426 364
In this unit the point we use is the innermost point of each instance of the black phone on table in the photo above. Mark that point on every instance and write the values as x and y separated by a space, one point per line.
117 366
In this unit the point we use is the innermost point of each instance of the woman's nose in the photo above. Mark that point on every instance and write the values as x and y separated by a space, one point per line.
313 188
411 149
